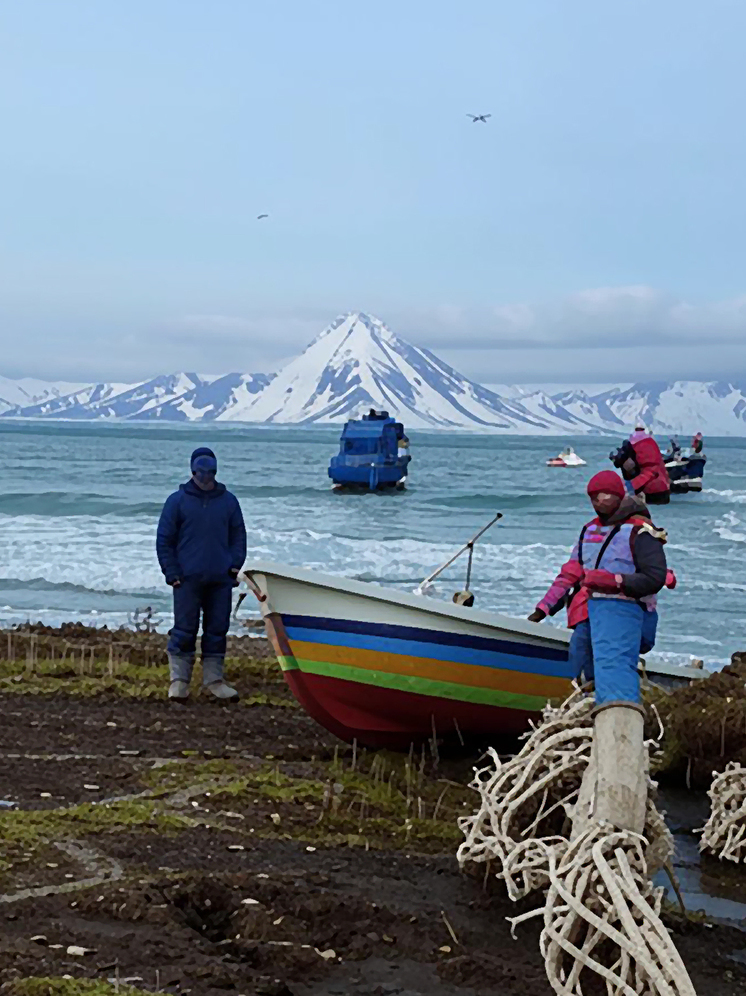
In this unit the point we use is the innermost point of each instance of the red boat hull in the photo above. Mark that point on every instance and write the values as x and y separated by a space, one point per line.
384 717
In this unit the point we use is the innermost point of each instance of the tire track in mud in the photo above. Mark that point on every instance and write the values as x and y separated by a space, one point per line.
102 869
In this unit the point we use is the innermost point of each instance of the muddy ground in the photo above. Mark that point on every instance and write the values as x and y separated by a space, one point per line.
211 850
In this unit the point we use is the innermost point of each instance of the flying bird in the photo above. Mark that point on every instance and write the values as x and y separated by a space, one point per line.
260 216
479 117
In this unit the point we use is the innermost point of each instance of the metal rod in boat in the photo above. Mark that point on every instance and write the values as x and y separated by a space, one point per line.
467 546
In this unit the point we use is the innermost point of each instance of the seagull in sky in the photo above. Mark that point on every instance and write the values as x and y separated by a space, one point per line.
260 216
479 117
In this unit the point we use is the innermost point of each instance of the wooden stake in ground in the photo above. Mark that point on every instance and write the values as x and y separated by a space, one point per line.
602 913
615 785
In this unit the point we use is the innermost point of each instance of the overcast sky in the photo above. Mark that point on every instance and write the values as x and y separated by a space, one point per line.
592 230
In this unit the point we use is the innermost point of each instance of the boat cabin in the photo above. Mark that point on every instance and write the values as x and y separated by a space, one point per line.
371 454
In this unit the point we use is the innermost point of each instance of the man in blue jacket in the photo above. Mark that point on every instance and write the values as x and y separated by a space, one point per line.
201 546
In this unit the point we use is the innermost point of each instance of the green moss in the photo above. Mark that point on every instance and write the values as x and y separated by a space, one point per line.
385 801
132 681
22 833
353 808
71 987
180 774
275 701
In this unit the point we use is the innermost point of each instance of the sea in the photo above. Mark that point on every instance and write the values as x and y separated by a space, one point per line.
79 505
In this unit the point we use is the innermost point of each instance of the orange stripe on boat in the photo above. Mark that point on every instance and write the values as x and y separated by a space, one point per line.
423 667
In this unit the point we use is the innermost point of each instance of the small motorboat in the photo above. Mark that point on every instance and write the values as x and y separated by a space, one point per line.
567 458
373 454
685 472
388 668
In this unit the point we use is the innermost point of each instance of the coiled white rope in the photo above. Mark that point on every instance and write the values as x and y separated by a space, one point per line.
601 913
529 797
724 834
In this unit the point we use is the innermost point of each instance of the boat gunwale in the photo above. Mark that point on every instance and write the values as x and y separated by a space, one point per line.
379 593
367 589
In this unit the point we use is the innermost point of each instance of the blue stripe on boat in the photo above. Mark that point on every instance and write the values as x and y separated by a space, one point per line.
412 648
424 636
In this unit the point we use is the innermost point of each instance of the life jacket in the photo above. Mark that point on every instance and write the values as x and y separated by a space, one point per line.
608 548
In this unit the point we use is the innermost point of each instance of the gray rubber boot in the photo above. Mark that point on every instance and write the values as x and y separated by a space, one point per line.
213 681
180 669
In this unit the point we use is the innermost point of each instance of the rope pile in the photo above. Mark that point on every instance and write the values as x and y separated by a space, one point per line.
601 912
526 802
724 834
602 915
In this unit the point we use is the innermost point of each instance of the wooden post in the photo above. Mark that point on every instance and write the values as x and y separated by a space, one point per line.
615 785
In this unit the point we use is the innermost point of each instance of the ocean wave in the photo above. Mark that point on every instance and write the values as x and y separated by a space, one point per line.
71 503
549 504
44 584
739 497
283 491
727 528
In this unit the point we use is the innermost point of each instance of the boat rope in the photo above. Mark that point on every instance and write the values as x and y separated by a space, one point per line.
601 913
533 793
602 916
724 834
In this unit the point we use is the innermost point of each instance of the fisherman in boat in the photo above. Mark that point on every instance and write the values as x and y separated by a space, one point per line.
609 585
201 546
674 451
641 462
697 444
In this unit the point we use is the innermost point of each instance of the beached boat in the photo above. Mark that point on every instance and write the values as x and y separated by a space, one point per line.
567 458
388 667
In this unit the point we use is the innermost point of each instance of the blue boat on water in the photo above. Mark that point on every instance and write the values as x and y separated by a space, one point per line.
373 454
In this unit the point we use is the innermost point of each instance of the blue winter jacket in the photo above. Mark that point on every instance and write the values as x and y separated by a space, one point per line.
201 535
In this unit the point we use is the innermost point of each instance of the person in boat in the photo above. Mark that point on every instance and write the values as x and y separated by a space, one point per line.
697 444
201 547
643 467
609 585
674 451
402 447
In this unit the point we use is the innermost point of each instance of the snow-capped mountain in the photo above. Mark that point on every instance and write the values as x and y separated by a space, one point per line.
214 398
28 392
358 363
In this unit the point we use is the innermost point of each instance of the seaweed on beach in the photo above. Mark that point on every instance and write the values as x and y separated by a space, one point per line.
704 725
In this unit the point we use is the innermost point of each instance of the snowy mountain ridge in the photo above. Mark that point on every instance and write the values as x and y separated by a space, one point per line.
357 363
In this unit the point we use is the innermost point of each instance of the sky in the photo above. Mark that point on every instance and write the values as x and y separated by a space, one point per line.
592 230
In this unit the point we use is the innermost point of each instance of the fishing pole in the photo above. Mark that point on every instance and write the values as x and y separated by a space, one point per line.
423 585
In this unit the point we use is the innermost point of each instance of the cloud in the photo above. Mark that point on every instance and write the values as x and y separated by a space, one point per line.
597 334
269 334
595 318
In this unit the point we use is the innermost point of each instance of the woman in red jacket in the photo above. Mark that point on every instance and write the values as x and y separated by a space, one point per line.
641 462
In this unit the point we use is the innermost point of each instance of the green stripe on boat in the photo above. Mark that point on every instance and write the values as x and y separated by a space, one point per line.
418 686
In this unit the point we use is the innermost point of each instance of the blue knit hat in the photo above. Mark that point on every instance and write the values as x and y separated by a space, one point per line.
204 459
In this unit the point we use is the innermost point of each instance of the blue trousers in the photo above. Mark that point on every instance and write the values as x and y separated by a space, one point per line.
213 602
606 647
